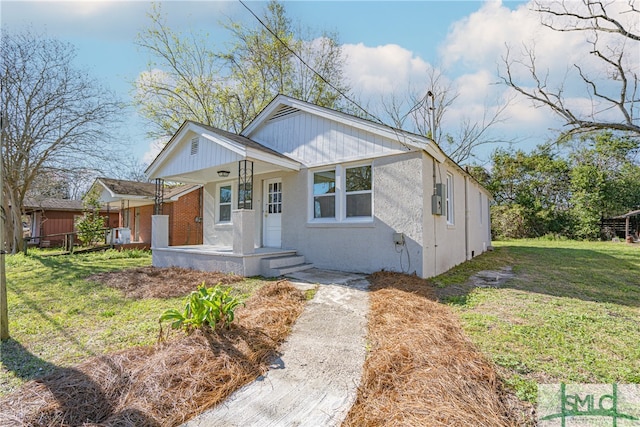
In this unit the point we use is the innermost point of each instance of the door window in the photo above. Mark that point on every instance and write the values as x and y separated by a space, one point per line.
274 201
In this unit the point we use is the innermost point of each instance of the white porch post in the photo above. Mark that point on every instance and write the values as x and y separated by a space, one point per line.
159 231
243 231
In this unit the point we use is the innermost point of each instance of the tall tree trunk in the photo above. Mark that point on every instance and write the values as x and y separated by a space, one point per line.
13 224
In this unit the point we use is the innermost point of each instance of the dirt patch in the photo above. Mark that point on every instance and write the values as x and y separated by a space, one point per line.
422 369
154 282
482 279
166 384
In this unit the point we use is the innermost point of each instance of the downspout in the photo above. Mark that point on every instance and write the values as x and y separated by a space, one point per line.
435 224
466 216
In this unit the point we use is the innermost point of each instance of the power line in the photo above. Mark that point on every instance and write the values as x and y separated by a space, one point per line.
309 66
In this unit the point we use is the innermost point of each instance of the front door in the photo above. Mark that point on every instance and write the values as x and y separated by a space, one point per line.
272 225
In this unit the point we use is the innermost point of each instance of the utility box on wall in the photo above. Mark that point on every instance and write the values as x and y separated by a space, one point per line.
437 207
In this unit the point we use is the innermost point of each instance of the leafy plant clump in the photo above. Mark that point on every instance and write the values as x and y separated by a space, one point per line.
205 307
91 225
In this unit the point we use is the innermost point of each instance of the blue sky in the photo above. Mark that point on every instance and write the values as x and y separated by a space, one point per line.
389 46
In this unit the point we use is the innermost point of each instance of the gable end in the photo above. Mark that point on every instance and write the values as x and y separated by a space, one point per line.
283 111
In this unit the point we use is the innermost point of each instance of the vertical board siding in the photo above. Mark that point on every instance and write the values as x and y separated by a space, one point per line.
182 161
316 140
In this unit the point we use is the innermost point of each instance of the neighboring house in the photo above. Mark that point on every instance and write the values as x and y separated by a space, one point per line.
50 219
136 202
305 184
622 226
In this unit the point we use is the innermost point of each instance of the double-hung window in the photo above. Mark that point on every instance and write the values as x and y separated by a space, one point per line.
342 194
224 203
324 194
449 200
358 191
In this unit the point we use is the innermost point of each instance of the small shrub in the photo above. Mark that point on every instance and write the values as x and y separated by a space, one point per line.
90 228
205 307
91 225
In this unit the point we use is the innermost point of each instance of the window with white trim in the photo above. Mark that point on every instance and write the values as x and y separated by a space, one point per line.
342 194
358 191
225 194
324 194
449 200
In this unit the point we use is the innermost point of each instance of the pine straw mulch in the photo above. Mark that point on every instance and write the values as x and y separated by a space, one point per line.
422 369
166 384
154 282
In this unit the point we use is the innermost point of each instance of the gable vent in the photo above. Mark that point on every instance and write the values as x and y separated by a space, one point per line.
195 144
283 111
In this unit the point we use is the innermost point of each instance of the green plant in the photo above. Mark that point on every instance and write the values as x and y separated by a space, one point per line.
204 307
91 225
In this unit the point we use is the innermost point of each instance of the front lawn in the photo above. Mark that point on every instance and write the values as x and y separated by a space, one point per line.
58 318
569 315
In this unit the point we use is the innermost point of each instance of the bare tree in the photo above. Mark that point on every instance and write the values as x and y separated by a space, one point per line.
614 42
57 118
426 107
473 133
130 169
427 113
183 80
189 79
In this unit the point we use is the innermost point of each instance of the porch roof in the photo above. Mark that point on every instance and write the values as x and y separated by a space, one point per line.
221 152
51 204
136 193
627 215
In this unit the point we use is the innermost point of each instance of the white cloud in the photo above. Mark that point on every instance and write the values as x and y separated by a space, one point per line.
381 70
109 20
476 45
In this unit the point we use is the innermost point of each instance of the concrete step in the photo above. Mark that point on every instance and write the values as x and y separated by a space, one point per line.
282 261
292 269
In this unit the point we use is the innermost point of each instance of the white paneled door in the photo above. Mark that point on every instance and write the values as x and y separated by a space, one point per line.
272 226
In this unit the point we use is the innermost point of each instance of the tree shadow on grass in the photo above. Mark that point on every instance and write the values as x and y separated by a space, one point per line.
63 396
583 274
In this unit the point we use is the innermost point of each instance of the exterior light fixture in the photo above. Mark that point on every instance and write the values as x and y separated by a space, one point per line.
223 174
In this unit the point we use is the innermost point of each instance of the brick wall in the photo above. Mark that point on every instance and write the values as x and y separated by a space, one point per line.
144 213
183 228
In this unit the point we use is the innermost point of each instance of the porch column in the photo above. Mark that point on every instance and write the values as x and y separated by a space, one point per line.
243 231
627 232
159 231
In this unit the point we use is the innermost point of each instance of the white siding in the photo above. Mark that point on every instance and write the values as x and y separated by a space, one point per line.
209 155
315 141
362 246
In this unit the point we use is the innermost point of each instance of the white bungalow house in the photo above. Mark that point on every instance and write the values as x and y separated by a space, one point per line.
306 185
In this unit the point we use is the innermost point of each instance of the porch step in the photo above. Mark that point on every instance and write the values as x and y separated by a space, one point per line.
293 269
279 266
282 261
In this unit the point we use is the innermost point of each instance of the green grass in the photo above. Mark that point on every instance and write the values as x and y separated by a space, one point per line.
57 318
572 313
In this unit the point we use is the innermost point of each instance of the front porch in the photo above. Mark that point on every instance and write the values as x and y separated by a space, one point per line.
267 262
242 258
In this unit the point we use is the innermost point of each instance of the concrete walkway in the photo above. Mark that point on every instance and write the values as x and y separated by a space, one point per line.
314 382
